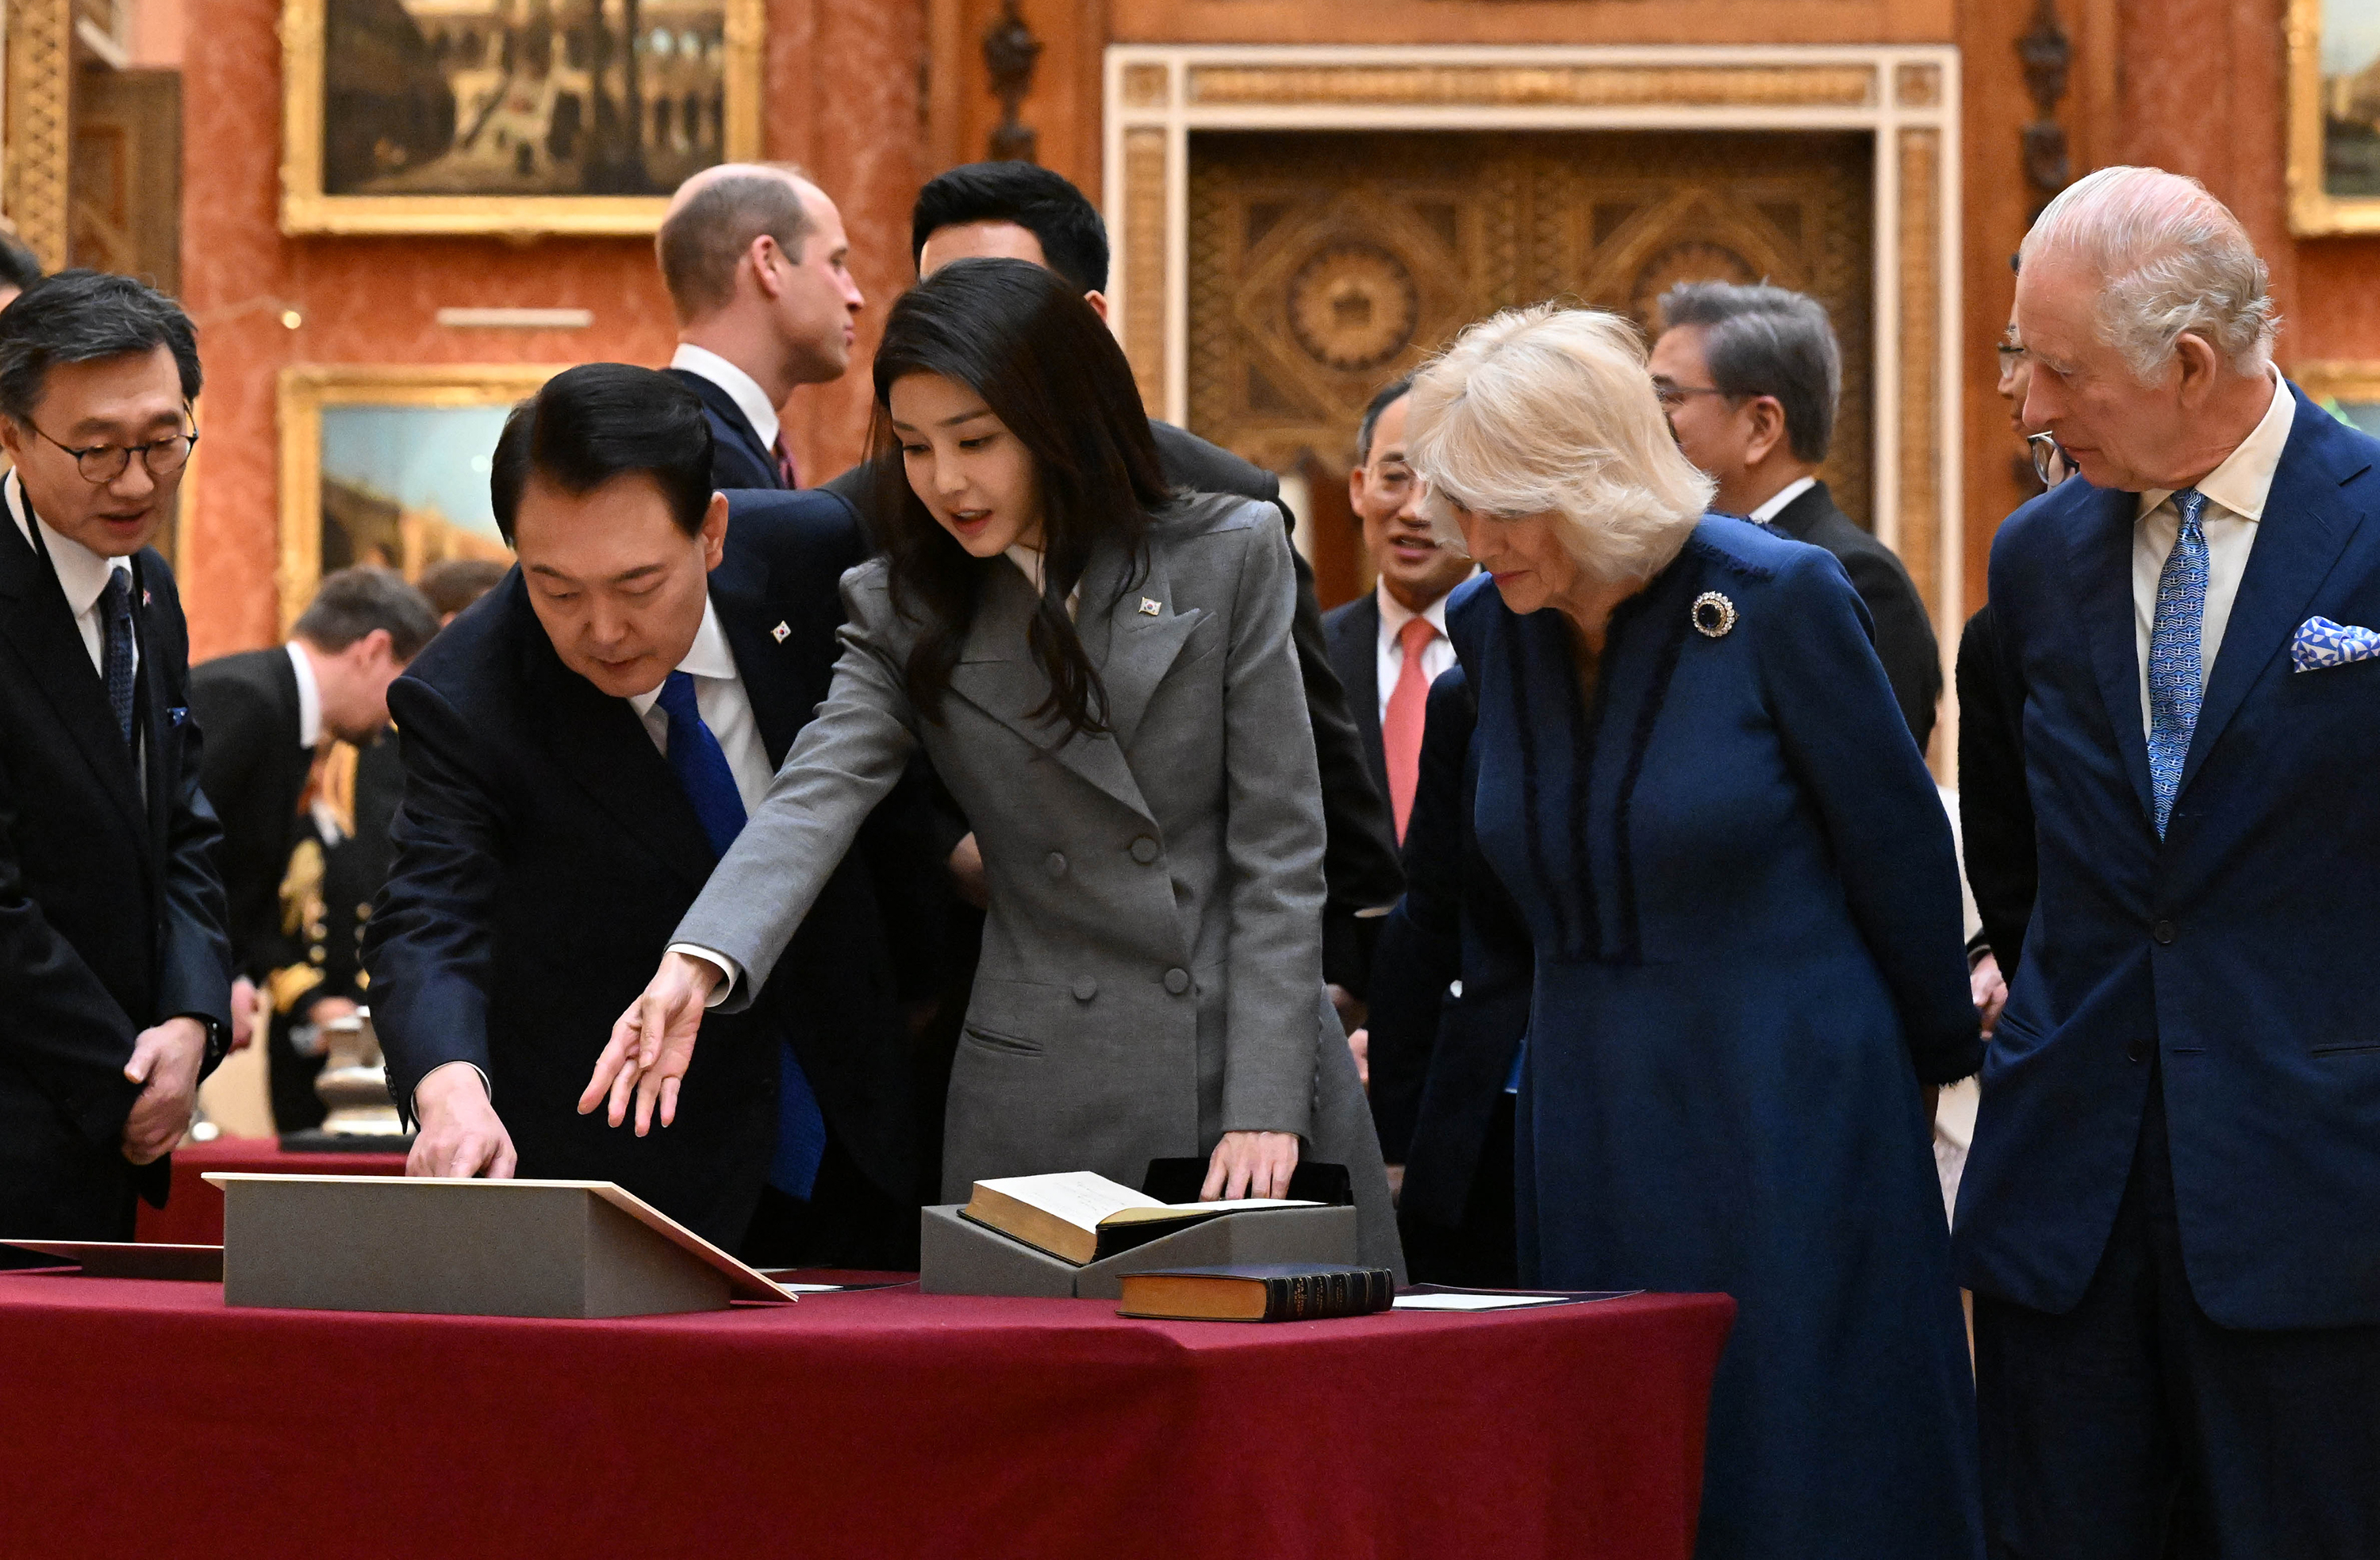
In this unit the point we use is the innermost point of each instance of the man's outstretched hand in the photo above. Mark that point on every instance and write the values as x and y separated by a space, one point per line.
652 1044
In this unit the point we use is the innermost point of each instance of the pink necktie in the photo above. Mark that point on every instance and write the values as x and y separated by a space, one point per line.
1400 727
784 461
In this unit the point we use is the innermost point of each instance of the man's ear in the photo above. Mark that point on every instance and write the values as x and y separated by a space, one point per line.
1098 302
12 439
714 531
1356 478
763 254
2193 356
373 647
1768 417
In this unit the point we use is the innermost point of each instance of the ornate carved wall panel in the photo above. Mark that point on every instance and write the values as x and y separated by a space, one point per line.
126 210
41 54
1322 266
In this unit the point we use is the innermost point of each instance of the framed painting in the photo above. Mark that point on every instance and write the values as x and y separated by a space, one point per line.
2333 116
2349 392
389 466
487 116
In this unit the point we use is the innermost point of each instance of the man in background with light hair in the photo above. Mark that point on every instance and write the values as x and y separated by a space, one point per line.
757 270
1750 377
2170 1216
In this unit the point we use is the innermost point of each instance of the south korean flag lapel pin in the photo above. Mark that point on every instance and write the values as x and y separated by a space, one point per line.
779 633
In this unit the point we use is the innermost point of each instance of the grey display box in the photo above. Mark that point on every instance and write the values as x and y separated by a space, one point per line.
960 1257
467 1247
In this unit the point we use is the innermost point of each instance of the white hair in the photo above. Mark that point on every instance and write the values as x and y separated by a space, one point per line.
2173 262
1549 410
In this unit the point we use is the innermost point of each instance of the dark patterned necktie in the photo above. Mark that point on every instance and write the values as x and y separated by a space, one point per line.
2177 682
115 665
785 472
702 770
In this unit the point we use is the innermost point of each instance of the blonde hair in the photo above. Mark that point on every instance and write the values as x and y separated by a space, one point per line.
1551 409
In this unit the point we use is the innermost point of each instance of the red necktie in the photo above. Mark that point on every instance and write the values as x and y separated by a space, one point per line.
784 461
1400 727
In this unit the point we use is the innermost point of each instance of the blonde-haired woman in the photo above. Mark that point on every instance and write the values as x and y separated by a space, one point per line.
1739 881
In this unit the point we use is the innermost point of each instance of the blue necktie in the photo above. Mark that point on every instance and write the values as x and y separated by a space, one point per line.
2176 683
115 658
700 765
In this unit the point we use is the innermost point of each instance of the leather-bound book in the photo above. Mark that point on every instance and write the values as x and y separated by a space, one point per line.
1080 1217
1257 1292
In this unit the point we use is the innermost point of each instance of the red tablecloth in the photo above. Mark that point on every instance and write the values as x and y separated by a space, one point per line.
193 1210
147 1418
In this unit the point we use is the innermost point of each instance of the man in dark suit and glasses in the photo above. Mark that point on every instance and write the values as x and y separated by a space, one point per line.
1750 377
113 959
755 263
2170 1216
589 737
266 712
1018 211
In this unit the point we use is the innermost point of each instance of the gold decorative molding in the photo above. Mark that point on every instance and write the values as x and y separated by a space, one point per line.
1921 345
306 208
1145 254
1493 86
2312 208
2332 379
301 393
1917 86
39 85
1148 86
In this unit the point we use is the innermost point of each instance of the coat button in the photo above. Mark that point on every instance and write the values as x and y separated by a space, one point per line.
1086 988
1057 865
2136 1052
363 911
2163 932
1177 981
1144 851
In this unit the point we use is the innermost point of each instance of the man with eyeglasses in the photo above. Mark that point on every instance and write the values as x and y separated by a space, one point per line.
115 971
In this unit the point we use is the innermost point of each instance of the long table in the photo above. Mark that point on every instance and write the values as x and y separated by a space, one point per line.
147 1416
193 1214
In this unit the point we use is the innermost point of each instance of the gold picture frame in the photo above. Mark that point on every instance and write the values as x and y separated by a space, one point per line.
408 532
2312 97
2350 391
730 122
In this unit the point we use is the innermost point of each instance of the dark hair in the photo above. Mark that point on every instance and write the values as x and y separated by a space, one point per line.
352 602
452 584
1389 396
1768 341
700 243
1073 239
81 317
18 266
1022 338
600 421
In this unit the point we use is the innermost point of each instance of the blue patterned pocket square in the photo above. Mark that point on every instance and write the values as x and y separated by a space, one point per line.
2321 644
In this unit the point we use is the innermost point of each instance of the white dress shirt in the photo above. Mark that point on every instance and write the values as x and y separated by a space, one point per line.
1436 656
741 387
83 576
1028 561
310 696
1768 513
2235 493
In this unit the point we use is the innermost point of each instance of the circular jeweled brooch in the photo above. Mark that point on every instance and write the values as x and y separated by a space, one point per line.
1712 614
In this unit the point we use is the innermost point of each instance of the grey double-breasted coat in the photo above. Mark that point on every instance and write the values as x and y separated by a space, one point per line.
1151 974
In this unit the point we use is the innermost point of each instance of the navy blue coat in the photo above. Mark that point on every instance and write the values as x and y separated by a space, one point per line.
2242 953
738 459
1739 884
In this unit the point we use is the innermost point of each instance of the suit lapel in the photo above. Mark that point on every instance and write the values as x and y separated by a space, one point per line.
2101 540
44 633
157 716
739 589
600 742
1133 647
1363 686
2304 530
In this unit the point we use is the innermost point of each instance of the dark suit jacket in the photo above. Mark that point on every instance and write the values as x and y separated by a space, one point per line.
1904 634
545 853
110 914
1359 861
254 773
1352 632
2230 963
1438 1059
738 459
1994 814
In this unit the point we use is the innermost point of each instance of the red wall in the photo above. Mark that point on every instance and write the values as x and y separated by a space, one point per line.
841 96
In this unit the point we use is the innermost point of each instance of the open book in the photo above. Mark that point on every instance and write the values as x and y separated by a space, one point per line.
1081 1217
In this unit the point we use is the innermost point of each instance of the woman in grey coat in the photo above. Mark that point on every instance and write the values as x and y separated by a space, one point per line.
1100 671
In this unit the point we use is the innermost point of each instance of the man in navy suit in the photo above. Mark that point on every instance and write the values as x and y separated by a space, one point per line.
592 733
2171 1214
757 269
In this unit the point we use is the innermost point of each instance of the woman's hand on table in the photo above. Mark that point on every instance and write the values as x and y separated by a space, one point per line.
1250 1165
654 1043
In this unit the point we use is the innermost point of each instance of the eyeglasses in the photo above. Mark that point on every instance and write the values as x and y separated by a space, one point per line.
1672 396
101 464
2009 352
2050 461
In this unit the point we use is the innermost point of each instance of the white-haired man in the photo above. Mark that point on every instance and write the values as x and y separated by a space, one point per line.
2171 1214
